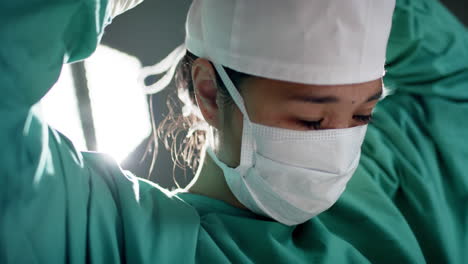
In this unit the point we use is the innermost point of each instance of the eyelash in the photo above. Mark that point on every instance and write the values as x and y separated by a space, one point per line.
316 124
363 118
311 124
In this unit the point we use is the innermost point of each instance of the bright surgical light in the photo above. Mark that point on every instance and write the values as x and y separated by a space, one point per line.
59 109
120 110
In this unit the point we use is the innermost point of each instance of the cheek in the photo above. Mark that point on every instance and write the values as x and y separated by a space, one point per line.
268 113
231 138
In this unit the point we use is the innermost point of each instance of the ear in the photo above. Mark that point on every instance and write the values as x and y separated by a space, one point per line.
206 91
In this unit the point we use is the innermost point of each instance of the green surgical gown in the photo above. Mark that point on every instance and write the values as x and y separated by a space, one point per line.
406 203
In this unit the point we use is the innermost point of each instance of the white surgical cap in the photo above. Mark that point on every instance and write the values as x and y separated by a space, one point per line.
303 41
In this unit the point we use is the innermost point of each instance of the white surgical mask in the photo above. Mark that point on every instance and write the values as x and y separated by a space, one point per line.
288 175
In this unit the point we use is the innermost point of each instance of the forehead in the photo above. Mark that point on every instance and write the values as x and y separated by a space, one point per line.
276 88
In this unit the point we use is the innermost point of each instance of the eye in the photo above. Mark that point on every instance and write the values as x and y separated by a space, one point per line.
363 118
311 124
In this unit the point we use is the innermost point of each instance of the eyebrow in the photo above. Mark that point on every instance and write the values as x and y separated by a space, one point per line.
329 99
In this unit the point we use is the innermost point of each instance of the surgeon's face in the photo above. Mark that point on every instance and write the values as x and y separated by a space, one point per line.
307 107
292 106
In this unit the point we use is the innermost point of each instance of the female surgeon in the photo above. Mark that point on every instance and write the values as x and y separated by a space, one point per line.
293 172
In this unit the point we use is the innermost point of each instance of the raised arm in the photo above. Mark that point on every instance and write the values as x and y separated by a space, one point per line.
45 185
416 150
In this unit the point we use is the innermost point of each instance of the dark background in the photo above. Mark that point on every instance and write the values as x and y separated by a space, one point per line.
150 32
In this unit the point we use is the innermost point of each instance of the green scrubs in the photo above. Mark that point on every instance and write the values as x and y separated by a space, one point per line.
406 203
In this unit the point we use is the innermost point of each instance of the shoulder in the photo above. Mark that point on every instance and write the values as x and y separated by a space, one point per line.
135 192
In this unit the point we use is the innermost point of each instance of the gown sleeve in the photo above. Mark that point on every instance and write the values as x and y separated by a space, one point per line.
58 205
417 147
35 196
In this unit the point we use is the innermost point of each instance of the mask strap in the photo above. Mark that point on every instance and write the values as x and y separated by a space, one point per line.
232 90
248 143
167 65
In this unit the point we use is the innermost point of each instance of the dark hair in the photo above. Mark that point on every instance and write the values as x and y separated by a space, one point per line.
173 129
